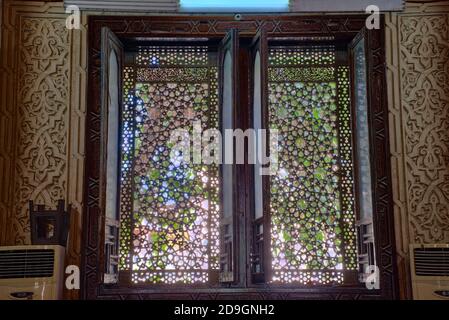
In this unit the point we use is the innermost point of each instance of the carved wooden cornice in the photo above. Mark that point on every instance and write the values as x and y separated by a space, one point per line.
294 6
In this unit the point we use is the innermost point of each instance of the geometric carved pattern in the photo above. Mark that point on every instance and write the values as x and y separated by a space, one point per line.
330 26
422 193
33 112
421 224
170 208
417 63
424 50
41 118
426 227
76 141
312 226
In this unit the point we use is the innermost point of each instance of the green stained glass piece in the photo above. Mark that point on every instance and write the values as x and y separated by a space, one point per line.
154 174
287 236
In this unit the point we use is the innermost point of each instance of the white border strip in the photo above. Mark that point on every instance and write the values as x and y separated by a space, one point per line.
344 6
123 5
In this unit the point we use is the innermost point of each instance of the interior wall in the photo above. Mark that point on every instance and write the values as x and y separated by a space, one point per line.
42 107
418 98
42 111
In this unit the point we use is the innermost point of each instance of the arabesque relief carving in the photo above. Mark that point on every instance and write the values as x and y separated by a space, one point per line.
424 51
41 119
418 98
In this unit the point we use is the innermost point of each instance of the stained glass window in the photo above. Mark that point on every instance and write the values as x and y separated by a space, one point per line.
169 207
311 198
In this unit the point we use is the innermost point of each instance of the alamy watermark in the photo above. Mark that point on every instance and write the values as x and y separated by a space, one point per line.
211 147
73 21
371 277
373 20
72 282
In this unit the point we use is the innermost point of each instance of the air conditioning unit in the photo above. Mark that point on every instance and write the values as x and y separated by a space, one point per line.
31 272
430 271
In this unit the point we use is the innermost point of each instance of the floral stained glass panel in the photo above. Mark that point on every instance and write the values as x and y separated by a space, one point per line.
311 201
170 221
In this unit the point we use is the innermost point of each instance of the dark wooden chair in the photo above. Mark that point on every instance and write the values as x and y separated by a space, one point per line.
49 226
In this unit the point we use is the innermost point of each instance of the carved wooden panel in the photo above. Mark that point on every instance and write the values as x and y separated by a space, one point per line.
6 131
76 143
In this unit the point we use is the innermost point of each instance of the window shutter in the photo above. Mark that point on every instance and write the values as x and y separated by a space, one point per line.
111 68
228 62
260 220
362 156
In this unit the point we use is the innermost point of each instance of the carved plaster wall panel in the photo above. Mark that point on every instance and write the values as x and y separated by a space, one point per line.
418 92
41 115
424 54
42 107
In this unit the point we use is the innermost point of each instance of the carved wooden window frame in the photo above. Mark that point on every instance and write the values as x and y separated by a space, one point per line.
343 28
